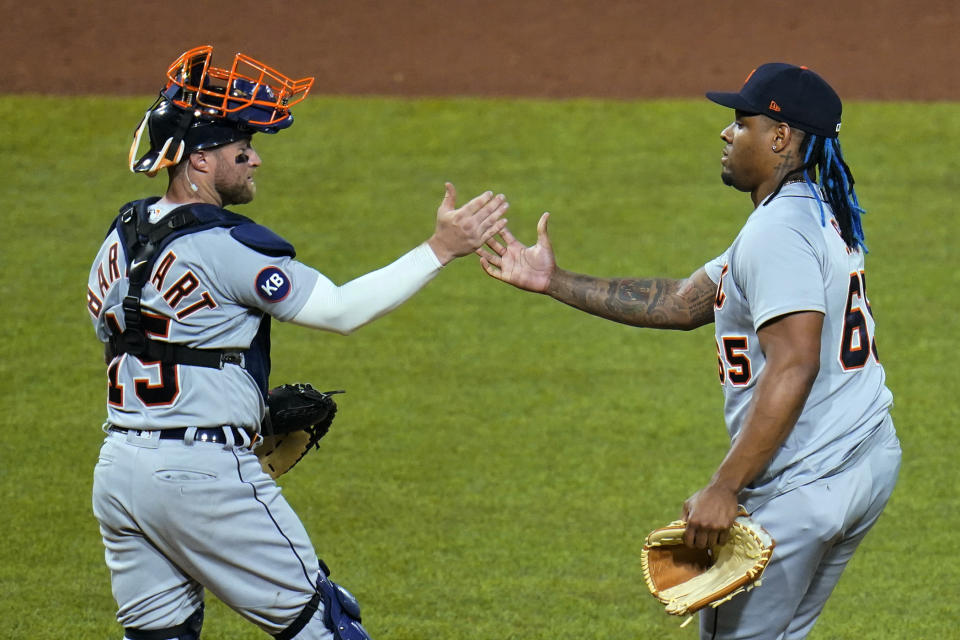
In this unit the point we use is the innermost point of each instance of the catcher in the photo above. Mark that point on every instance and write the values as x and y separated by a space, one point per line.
182 293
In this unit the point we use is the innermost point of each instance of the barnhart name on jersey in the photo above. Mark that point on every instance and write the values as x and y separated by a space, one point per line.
212 288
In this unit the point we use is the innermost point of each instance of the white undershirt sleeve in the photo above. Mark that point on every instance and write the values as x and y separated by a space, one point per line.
348 307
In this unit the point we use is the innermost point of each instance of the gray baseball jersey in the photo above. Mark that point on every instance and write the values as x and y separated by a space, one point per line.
216 280
205 291
786 260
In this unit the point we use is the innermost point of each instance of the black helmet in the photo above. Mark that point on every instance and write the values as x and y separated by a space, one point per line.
203 107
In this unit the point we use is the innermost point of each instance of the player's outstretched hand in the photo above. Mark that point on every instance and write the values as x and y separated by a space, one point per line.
524 267
462 231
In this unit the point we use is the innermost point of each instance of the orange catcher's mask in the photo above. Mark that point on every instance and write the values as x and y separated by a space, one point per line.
203 106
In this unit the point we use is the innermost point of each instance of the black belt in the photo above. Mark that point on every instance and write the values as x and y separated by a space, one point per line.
206 434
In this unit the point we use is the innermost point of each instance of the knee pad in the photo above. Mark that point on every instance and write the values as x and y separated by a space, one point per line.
341 611
189 629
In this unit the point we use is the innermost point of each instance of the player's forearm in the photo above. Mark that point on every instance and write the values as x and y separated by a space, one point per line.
661 303
776 407
348 307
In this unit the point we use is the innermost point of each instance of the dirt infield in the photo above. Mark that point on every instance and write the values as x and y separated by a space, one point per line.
868 49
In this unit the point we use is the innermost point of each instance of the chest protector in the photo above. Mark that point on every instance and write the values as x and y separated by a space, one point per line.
143 242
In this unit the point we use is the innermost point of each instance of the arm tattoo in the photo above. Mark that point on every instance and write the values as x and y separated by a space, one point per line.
701 301
662 303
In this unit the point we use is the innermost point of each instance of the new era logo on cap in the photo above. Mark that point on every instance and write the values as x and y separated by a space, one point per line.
788 93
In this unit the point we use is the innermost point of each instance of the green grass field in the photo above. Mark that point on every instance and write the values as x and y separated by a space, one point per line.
499 457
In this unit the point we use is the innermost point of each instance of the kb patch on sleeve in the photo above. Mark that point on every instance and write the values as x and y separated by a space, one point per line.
273 285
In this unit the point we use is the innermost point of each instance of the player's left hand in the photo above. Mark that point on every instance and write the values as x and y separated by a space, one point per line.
709 513
462 231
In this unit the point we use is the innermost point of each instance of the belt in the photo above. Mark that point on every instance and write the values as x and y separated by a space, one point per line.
206 434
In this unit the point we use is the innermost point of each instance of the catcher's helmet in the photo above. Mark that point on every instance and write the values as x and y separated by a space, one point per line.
202 107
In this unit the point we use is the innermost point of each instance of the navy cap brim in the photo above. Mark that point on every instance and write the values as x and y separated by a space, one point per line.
732 100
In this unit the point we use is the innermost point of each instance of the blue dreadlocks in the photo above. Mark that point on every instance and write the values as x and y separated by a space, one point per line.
836 182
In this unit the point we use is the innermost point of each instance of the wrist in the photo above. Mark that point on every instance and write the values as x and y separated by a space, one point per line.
442 255
557 282
726 482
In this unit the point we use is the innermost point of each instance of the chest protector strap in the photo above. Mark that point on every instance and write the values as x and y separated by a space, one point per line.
143 242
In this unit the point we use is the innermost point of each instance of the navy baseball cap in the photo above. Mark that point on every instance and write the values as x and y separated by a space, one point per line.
787 93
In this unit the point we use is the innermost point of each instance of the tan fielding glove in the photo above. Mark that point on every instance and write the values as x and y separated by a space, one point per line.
687 579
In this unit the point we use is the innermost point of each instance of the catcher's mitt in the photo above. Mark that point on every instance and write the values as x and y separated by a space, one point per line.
687 579
297 417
